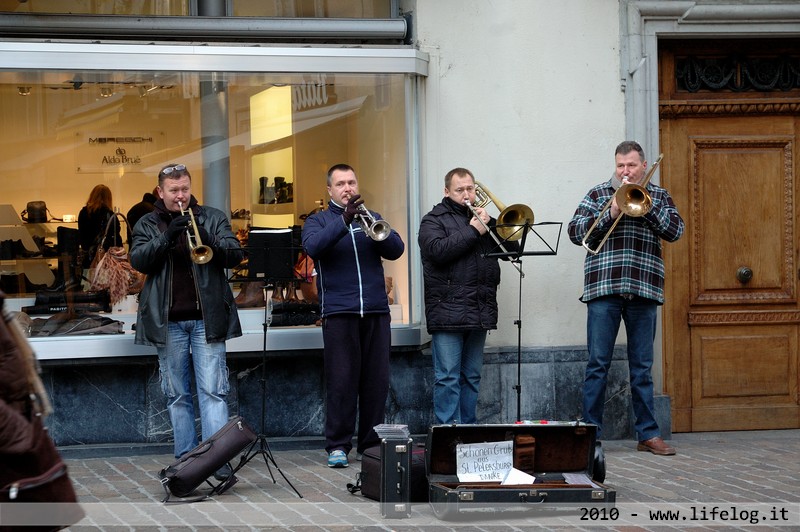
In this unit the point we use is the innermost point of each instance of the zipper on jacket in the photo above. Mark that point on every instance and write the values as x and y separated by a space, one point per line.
358 272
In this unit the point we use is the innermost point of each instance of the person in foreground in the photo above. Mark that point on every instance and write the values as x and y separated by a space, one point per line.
186 309
356 324
460 295
624 280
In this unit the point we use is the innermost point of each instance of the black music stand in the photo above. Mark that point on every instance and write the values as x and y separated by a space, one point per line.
271 253
515 257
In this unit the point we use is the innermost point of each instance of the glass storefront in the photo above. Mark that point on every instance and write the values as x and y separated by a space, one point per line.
258 144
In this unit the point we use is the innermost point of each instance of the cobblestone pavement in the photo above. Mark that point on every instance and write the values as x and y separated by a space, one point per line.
720 481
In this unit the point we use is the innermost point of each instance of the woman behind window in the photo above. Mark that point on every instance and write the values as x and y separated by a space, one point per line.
92 222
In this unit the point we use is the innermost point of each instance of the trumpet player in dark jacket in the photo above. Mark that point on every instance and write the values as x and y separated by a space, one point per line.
460 294
356 324
186 307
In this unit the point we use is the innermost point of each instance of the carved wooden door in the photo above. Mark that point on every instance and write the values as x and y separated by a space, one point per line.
732 317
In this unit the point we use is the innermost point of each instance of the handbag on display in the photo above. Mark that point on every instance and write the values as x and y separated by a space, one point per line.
35 213
111 269
195 467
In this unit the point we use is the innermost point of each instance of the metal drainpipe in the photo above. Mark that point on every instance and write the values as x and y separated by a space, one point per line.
205 28
214 128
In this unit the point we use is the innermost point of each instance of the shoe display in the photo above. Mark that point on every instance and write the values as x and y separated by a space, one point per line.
656 446
337 458
223 473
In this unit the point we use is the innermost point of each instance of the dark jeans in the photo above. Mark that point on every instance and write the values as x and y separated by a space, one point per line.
605 314
356 378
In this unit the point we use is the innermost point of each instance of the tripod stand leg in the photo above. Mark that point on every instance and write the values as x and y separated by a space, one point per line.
269 460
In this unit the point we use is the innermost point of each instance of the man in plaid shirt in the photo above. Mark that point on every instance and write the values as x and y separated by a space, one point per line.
624 280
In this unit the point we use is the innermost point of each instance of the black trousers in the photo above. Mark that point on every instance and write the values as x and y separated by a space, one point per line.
356 358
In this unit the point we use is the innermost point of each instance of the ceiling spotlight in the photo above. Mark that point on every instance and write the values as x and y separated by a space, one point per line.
105 92
23 91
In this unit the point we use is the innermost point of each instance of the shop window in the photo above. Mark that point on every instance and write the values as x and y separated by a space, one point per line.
67 131
313 8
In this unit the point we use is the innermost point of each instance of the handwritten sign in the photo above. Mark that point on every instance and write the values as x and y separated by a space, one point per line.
482 462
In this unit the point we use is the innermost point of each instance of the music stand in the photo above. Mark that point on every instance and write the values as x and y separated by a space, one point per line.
515 257
270 260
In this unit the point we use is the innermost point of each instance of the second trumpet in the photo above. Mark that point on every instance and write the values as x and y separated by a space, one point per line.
377 230
198 252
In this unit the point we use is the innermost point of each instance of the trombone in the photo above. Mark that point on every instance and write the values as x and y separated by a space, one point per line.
198 252
377 230
632 199
510 223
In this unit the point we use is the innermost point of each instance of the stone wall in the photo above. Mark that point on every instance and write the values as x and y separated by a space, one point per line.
119 401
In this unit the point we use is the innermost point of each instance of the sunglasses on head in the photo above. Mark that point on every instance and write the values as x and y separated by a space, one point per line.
169 170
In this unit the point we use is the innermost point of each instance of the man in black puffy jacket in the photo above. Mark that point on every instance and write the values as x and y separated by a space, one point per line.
356 324
460 294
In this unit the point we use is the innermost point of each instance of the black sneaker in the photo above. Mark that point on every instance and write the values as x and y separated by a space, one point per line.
223 473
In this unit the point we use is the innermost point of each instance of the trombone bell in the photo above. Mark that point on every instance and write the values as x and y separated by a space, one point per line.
634 200
512 220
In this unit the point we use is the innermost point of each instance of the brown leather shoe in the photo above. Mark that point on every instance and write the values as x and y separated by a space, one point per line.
656 446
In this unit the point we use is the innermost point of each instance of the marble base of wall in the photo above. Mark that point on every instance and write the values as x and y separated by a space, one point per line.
112 401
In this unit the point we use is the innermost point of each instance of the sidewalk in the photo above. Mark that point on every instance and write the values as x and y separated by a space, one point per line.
752 477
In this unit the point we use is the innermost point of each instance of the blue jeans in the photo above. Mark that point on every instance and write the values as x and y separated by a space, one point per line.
457 361
176 364
603 323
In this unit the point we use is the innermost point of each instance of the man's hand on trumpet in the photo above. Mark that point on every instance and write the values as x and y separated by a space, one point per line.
351 209
177 226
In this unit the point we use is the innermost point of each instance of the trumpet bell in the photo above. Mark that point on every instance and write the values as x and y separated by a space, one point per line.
634 200
512 221
201 254
379 231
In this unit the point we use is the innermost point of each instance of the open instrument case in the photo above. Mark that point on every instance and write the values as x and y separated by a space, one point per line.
560 455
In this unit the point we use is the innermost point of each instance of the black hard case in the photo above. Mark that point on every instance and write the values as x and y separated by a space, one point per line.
370 476
549 450
395 483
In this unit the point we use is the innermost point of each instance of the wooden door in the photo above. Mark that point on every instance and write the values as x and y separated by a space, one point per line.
732 316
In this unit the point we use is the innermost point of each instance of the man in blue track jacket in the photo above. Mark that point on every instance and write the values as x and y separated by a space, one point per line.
356 324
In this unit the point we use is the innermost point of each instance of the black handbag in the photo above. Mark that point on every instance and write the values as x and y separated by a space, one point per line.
195 467
35 213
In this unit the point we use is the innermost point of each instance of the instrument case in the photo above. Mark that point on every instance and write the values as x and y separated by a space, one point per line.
549 452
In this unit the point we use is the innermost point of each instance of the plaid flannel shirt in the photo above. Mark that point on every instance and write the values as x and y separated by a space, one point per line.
630 261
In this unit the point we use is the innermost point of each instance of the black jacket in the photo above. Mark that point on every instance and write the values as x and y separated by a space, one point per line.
150 254
91 231
460 283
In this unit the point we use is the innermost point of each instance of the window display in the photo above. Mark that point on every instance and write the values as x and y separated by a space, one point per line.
260 145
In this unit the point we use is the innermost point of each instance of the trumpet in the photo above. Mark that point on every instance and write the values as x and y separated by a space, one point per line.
198 252
632 199
377 230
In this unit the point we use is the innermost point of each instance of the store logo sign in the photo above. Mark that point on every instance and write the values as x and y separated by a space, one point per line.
312 93
116 150
119 140
121 157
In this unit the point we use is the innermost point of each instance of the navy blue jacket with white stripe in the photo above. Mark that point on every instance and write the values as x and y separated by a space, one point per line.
349 264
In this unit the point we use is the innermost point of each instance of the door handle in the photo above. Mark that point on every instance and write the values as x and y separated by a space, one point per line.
744 274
